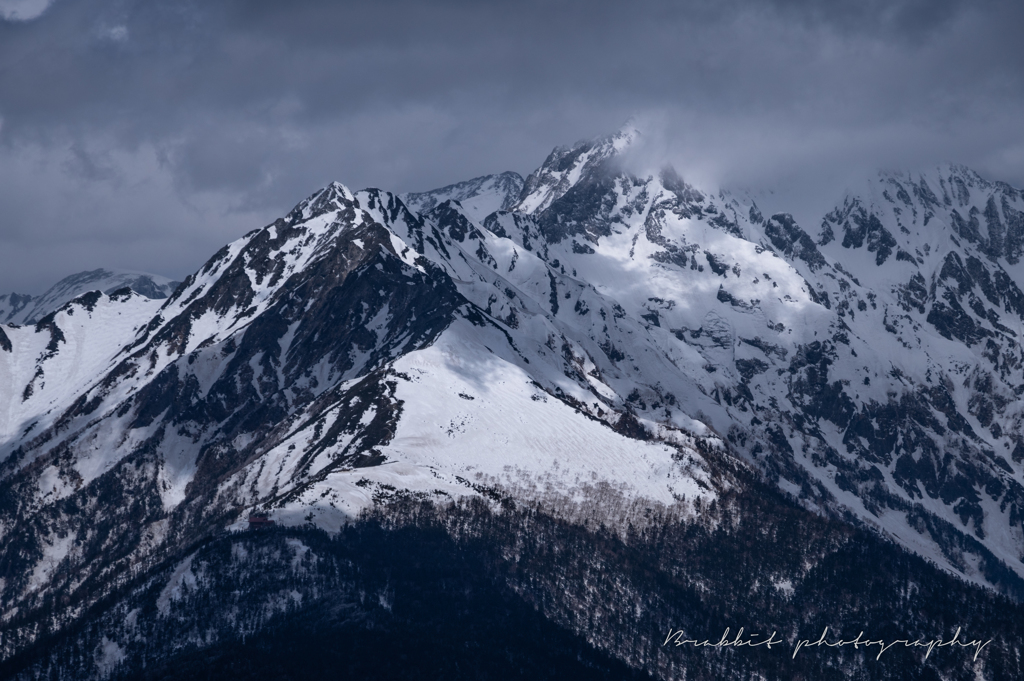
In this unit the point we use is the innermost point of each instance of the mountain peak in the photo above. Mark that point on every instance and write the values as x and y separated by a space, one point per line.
567 166
479 196
332 197
23 309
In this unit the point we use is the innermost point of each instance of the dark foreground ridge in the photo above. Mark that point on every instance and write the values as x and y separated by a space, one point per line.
466 591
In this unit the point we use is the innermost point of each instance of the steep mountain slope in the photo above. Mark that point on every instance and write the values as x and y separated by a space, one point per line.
892 401
47 366
23 309
618 353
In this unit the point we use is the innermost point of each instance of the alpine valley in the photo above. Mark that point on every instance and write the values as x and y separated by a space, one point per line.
527 429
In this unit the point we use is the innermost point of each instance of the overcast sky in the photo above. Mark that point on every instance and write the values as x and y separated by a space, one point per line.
145 134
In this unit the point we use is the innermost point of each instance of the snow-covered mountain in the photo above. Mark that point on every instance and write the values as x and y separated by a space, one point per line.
870 369
479 197
24 309
612 351
13 306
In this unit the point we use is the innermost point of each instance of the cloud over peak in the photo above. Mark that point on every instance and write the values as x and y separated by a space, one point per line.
241 106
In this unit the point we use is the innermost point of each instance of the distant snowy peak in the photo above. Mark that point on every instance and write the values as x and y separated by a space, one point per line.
565 167
13 306
24 309
479 197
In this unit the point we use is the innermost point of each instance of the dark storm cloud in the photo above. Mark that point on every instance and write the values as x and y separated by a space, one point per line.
145 134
